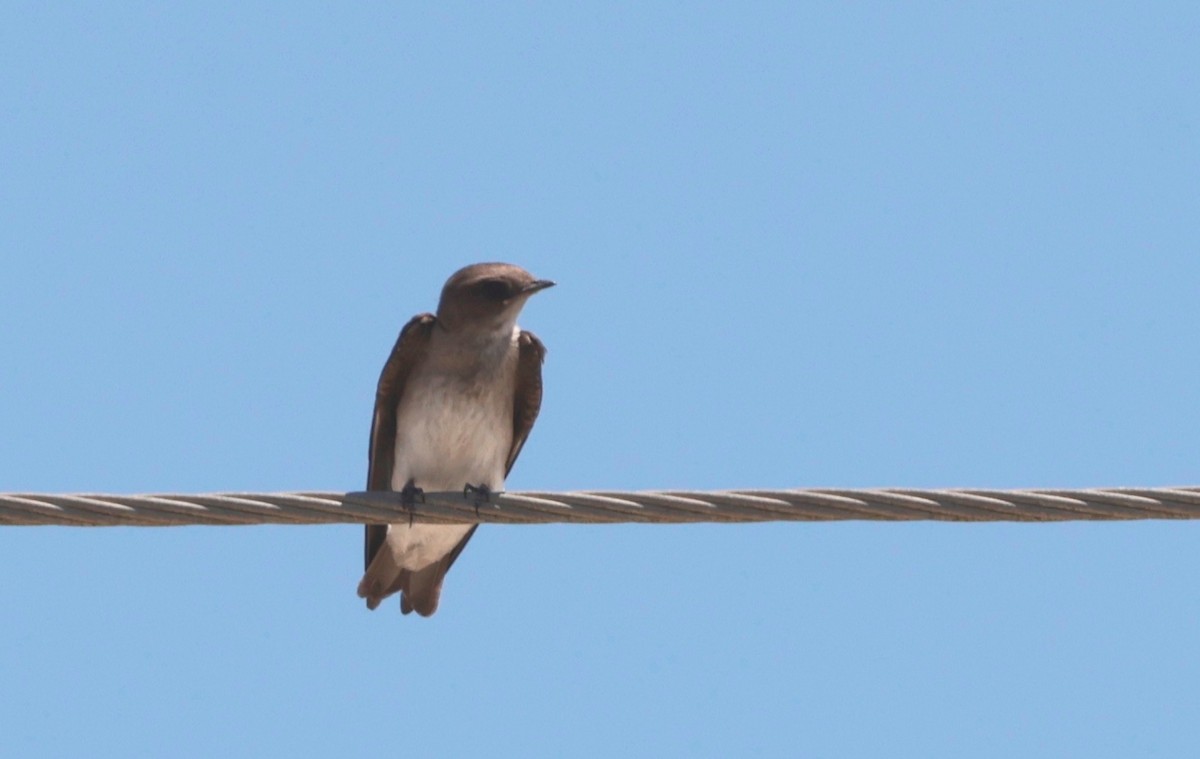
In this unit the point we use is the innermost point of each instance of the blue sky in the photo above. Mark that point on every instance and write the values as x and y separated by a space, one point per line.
920 244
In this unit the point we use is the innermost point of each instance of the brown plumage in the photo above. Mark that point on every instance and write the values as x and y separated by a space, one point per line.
477 304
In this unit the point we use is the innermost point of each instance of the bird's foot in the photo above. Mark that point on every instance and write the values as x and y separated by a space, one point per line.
410 496
479 494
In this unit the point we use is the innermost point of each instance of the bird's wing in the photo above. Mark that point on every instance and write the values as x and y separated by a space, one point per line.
527 400
410 346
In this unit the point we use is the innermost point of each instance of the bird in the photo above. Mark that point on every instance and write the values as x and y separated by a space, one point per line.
456 400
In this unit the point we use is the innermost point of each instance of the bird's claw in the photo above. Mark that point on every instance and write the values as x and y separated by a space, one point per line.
410 496
479 495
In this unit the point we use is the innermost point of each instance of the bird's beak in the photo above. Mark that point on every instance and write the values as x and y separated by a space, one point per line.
536 285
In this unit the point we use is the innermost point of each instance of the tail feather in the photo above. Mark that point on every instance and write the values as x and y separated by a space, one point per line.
378 583
424 589
420 589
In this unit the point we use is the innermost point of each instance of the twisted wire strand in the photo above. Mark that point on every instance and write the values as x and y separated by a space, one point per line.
591 507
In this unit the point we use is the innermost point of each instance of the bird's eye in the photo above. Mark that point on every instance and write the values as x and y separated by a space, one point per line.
494 289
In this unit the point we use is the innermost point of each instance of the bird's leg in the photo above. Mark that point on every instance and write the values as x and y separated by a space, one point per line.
410 496
480 494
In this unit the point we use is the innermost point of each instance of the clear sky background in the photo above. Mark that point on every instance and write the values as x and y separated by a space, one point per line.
923 245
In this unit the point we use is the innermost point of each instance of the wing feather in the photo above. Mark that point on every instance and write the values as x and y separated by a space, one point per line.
527 400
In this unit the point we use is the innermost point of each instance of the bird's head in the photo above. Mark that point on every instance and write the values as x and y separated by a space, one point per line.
488 297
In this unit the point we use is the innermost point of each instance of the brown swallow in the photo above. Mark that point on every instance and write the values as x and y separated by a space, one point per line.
456 401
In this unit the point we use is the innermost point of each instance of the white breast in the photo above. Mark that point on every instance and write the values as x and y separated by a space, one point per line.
451 431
